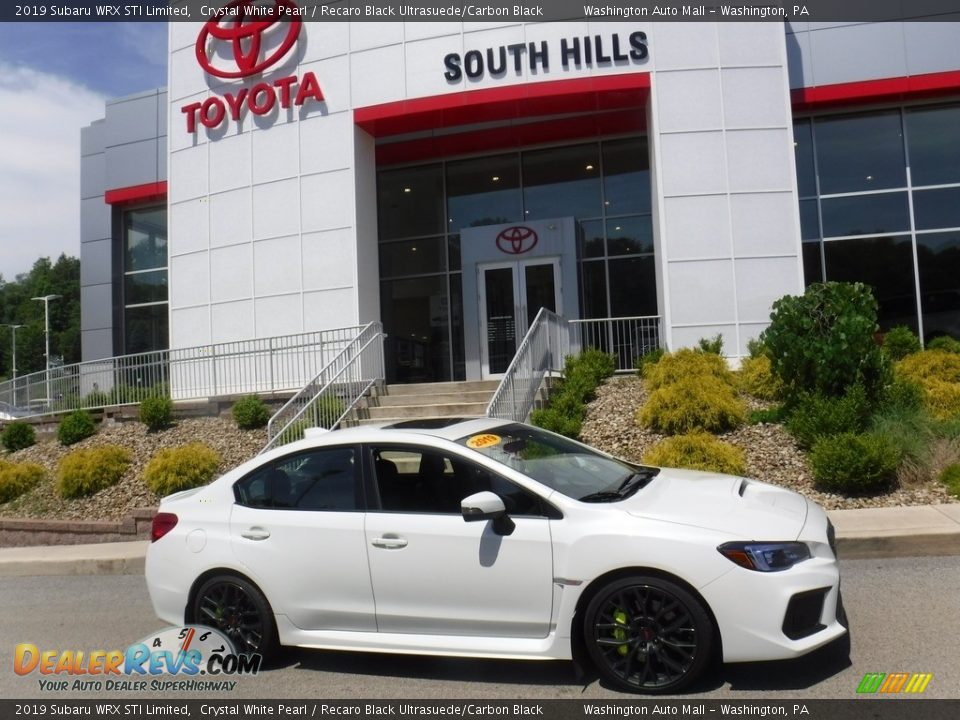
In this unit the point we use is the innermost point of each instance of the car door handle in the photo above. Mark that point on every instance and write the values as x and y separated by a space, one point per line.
390 543
255 533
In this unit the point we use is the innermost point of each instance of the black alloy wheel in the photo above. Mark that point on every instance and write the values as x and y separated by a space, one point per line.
238 610
647 635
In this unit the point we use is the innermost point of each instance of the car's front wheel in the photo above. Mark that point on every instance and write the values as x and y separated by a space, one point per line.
648 635
239 610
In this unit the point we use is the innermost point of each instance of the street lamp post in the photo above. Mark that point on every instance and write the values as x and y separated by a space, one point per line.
13 359
45 299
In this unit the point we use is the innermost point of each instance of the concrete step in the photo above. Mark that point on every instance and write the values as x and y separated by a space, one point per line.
443 387
469 396
422 411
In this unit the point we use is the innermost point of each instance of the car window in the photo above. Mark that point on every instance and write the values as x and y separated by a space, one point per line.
419 480
320 479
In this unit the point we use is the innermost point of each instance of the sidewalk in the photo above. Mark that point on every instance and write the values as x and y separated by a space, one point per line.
870 533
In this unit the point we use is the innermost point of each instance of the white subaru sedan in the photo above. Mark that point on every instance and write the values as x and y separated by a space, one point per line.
485 538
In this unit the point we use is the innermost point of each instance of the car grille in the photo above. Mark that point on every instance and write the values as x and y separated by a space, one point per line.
803 614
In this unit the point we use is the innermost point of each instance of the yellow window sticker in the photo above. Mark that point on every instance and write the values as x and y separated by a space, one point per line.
483 441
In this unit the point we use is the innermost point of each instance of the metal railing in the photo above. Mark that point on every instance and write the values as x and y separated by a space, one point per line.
541 351
267 365
327 398
626 338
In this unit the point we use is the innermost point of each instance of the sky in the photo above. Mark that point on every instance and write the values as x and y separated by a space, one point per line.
54 80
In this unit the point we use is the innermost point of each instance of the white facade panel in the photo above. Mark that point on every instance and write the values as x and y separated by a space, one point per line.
758 222
327 201
276 209
753 98
276 154
322 146
329 309
760 281
689 100
232 321
275 270
324 255
377 76
693 163
231 163
697 227
231 273
189 224
704 292
759 160
189 174
282 314
749 44
684 46
189 281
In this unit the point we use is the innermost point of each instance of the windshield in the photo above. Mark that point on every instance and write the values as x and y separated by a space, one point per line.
561 464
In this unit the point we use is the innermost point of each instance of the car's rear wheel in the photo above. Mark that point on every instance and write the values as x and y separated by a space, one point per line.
648 635
238 610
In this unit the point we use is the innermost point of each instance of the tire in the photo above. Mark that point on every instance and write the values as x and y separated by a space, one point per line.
647 635
239 610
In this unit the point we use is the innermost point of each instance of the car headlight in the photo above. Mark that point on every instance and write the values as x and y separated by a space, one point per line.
765 556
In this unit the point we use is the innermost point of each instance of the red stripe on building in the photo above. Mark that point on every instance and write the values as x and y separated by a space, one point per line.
886 90
136 194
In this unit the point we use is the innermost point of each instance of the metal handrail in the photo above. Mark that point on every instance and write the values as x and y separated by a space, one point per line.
626 338
327 399
542 350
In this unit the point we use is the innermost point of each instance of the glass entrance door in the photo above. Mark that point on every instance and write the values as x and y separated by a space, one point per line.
511 295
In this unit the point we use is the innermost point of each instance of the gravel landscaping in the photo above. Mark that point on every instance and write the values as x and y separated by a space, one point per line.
772 454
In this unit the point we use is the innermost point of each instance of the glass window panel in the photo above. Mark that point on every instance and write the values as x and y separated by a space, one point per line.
812 263
540 285
934 209
453 252
484 191
860 152
410 201
456 325
412 257
865 214
626 176
593 287
803 152
591 239
501 318
633 287
884 263
145 329
630 235
145 244
145 287
562 182
415 317
938 256
809 220
933 136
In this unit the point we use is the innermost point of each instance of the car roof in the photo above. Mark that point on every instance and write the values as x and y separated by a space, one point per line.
445 428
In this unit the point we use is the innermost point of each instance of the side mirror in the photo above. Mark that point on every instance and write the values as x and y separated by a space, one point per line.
487 506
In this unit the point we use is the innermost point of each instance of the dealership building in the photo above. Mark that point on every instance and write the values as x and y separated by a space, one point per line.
449 179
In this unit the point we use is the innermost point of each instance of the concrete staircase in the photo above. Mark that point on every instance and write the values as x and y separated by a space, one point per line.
424 400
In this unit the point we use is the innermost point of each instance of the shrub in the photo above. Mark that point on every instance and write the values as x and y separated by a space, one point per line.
930 365
90 470
696 403
17 436
910 429
822 341
582 375
757 378
251 413
951 478
686 364
713 345
943 399
175 469
697 451
555 421
652 357
75 427
815 416
156 412
592 366
945 343
97 398
756 348
18 478
775 414
902 396
854 464
900 342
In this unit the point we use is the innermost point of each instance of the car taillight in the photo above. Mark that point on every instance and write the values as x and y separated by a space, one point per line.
162 524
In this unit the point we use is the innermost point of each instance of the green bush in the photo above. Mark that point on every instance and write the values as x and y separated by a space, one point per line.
556 421
97 398
814 416
937 372
757 378
756 348
854 464
900 342
902 396
823 341
945 343
943 399
651 357
90 470
686 364
174 469
156 413
697 451
18 478
251 412
75 427
713 345
294 432
696 403
17 436
568 402
910 429
591 367
774 415
951 478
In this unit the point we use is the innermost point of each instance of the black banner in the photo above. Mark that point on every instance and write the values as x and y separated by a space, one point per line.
489 10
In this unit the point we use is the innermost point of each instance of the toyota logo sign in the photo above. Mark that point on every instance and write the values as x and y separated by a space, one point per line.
233 24
517 240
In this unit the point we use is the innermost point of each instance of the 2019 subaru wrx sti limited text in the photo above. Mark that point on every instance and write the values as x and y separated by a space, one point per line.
480 538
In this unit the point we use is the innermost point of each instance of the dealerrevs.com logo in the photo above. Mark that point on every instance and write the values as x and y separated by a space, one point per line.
189 658
243 39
